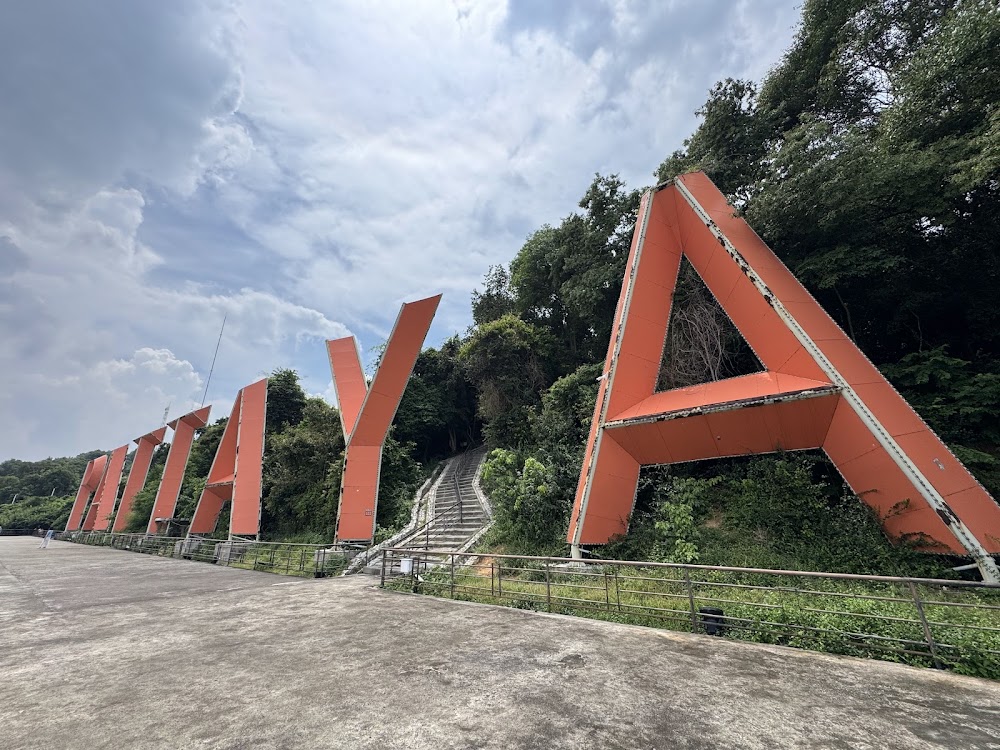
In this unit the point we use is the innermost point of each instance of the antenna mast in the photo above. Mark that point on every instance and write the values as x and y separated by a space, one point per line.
214 356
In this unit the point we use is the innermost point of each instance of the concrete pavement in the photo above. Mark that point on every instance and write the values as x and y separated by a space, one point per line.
108 649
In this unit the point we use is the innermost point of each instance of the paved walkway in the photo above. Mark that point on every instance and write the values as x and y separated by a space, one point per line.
109 649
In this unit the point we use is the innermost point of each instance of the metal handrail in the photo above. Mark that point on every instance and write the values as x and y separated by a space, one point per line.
288 558
726 569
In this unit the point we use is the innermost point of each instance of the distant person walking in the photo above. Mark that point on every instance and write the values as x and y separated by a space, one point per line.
45 539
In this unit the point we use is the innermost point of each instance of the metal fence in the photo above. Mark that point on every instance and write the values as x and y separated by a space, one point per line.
284 558
926 622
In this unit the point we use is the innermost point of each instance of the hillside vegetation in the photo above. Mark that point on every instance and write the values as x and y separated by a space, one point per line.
869 160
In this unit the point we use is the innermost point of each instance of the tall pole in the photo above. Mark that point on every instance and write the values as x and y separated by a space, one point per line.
212 369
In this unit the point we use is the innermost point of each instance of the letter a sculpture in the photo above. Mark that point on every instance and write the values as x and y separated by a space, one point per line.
366 413
818 389
102 509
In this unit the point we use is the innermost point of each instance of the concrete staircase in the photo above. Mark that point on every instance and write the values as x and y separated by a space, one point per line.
455 511
457 515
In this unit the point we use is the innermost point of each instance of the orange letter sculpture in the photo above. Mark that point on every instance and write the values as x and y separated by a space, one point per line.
236 469
366 413
91 479
173 472
102 510
818 390
137 474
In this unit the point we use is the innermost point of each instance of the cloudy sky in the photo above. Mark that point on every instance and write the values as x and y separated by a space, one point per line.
302 168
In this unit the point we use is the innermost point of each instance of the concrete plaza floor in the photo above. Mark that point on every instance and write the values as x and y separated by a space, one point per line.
109 649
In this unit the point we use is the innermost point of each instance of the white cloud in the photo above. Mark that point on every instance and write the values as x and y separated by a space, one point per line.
422 144
95 351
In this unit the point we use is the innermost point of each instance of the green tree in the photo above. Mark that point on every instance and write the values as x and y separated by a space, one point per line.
286 401
567 278
438 410
496 299
298 495
508 360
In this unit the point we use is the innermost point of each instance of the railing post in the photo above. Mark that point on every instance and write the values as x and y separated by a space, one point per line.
381 581
548 587
618 595
690 593
452 575
500 582
607 593
928 636
492 588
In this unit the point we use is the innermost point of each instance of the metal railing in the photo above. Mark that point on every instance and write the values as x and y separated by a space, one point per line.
284 558
926 622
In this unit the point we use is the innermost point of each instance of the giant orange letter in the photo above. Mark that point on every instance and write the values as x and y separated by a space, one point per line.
137 474
91 480
103 508
236 469
177 458
818 390
366 413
